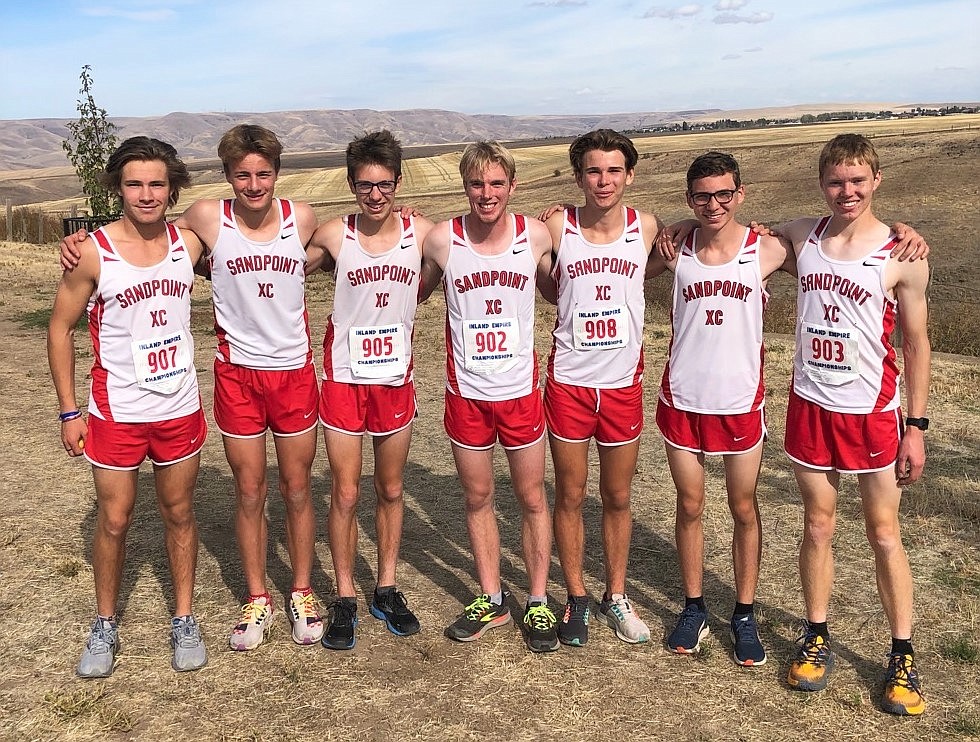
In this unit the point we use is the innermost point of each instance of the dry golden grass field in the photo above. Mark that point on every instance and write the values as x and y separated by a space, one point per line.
426 687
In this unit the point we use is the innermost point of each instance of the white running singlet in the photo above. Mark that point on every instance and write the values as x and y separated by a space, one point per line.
845 361
369 334
139 319
714 364
598 335
259 301
490 317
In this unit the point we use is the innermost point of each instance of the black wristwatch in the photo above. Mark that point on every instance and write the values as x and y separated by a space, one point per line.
922 423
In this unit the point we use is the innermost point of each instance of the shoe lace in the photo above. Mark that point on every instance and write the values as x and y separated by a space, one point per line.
253 612
745 629
901 672
399 604
576 609
540 617
813 647
304 606
622 608
101 638
186 633
478 607
343 613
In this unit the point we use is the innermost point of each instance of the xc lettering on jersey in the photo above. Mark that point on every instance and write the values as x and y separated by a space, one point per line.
494 306
602 293
158 318
714 316
381 300
831 313
265 291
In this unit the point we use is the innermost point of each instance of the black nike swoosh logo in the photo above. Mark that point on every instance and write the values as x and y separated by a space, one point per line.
632 239
743 262
518 252
175 260
405 247
871 265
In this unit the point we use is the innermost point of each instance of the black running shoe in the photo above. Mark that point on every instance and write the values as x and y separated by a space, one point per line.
540 625
477 618
573 628
343 621
392 608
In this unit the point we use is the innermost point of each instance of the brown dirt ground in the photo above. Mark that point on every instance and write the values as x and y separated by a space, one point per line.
426 687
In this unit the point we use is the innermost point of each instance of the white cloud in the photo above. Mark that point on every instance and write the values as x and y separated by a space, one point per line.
730 4
760 17
684 11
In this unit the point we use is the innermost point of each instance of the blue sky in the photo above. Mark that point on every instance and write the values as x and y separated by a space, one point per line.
152 57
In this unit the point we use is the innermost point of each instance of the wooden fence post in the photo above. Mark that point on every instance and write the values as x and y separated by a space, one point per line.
10 220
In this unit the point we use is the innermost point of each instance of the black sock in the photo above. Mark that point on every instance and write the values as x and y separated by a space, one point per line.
385 590
901 646
698 601
743 609
820 629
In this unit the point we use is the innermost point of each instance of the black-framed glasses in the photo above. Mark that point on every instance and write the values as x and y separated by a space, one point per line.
703 199
364 187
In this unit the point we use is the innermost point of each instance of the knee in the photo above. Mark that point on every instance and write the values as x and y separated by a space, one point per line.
476 500
344 497
179 515
251 493
533 501
389 493
884 538
115 524
745 511
818 528
294 489
689 509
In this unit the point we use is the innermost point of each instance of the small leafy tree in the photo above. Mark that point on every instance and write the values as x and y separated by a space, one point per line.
91 142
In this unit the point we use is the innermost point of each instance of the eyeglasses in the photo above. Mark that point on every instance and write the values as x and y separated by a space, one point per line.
364 187
703 199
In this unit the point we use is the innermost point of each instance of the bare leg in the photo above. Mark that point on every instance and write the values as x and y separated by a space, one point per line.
476 477
527 475
687 471
295 454
617 466
246 456
344 454
819 491
741 477
390 456
571 462
115 493
175 499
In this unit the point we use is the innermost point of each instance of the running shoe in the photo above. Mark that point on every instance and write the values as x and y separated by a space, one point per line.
256 623
343 621
540 624
619 614
100 649
573 628
304 615
748 651
477 618
188 644
814 661
903 693
691 628
392 608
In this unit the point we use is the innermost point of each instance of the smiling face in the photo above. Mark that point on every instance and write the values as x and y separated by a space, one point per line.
848 188
715 215
375 204
604 178
253 178
144 191
488 191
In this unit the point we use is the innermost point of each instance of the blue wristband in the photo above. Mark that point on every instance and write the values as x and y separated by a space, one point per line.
71 415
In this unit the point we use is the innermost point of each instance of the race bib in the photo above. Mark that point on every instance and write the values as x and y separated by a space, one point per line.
601 328
830 354
163 364
378 352
490 346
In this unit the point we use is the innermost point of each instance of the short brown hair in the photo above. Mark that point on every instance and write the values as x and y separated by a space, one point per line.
145 149
713 163
606 140
375 148
249 139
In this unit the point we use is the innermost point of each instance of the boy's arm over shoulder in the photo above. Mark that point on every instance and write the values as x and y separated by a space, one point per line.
542 245
74 290
435 254
324 245
910 282
306 221
776 253
203 218
797 231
